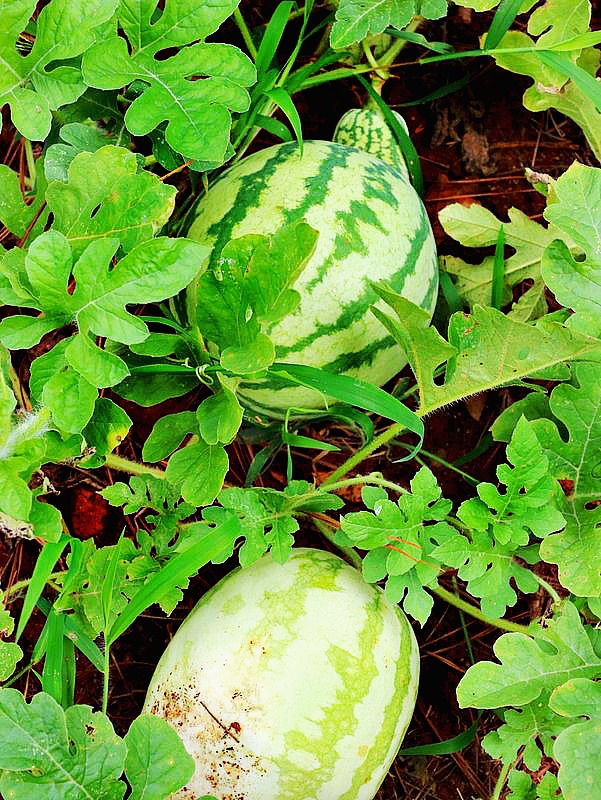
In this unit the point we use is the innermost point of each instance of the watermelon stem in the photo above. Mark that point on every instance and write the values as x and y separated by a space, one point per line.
375 479
354 460
503 624
121 464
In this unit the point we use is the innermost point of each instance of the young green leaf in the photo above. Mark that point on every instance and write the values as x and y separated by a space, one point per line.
198 470
268 517
105 431
251 286
357 19
401 538
157 763
64 29
167 435
573 209
220 415
152 271
106 195
528 504
197 112
578 747
486 349
45 751
576 459
10 653
476 226
76 138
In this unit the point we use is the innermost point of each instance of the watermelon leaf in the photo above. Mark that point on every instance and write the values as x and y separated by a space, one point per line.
251 288
485 349
157 762
401 538
197 112
573 209
63 30
268 517
357 19
198 470
575 458
105 195
550 683
10 653
562 82
476 226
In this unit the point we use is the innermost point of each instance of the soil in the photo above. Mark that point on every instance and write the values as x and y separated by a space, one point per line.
474 146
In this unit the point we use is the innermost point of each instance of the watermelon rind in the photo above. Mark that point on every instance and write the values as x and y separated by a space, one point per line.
289 682
372 226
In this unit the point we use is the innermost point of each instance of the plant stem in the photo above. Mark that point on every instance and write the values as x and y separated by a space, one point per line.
381 74
374 480
105 680
502 624
547 587
243 28
18 587
442 461
132 467
496 795
362 454
349 553
466 636
30 162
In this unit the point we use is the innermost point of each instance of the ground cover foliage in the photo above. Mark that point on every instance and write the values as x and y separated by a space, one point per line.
122 113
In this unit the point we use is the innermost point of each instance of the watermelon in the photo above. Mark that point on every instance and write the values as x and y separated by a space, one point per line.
372 226
367 129
289 682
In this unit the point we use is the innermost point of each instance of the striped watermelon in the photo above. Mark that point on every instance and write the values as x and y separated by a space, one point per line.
372 226
367 129
289 682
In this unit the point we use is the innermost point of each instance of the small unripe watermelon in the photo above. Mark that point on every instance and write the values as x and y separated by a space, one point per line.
289 682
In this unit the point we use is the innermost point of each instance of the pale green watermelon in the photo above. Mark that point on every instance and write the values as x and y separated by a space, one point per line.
289 682
372 226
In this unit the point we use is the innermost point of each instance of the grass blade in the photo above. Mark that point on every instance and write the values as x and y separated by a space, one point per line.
296 440
44 566
109 582
448 747
587 84
451 295
75 632
69 672
417 38
212 545
400 134
52 674
354 392
442 91
273 126
502 22
272 37
283 100
498 271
